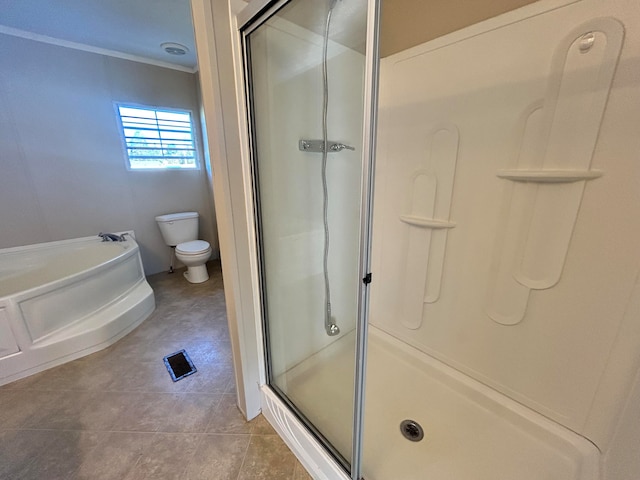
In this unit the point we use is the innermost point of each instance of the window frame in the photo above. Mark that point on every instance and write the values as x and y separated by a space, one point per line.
123 140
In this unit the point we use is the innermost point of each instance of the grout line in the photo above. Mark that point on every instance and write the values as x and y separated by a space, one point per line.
215 318
244 457
211 392
149 432
214 410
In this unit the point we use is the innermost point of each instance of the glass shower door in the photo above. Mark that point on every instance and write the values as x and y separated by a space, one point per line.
305 70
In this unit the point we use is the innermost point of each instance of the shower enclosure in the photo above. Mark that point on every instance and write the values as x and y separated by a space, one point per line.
475 315
307 102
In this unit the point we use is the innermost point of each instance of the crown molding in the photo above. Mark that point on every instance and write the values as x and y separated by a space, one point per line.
15 32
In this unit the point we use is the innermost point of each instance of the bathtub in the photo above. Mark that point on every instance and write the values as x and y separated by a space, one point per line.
63 300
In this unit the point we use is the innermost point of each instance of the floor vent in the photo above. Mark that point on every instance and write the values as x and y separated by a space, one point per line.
179 365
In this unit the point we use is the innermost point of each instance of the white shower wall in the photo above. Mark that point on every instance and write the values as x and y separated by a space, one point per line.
288 99
507 207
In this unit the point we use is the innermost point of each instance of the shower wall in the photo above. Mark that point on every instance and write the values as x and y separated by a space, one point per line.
291 185
507 206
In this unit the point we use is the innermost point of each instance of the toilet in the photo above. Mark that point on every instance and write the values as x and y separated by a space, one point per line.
180 230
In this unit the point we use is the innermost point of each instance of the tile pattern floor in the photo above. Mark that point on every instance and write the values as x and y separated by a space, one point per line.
117 414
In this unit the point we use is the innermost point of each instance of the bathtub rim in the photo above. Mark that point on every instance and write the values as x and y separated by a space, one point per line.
74 277
56 243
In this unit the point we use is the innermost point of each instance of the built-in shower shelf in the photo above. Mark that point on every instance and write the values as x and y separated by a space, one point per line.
549 176
426 222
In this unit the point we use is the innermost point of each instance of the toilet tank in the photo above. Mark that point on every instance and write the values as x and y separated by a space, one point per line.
178 227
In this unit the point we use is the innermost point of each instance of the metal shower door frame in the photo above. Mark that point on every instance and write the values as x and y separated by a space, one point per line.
252 17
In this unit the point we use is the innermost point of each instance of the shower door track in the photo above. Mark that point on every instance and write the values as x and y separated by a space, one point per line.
344 463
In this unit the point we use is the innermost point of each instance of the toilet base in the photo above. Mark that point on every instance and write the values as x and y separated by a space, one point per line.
197 274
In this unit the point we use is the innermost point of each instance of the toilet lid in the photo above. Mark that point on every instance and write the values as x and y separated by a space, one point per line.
193 247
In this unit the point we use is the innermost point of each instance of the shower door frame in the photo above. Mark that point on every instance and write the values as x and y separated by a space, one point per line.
249 19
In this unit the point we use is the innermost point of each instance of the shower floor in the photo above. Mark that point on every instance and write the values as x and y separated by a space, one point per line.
471 431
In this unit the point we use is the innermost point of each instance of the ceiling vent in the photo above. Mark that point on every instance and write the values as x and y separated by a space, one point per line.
174 48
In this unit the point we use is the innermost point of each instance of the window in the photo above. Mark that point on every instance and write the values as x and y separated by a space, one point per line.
158 139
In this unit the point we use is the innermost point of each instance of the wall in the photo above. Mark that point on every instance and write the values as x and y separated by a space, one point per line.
222 106
507 215
63 165
407 23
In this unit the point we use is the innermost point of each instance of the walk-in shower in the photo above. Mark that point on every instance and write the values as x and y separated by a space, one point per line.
502 337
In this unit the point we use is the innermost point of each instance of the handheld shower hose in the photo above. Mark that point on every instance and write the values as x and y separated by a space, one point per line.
330 326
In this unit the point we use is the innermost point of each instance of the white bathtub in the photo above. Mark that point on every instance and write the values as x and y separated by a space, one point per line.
62 300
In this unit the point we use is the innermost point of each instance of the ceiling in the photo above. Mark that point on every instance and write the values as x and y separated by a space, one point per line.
138 27
133 27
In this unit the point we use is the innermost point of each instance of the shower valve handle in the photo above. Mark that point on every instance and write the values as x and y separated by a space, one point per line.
337 147
317 146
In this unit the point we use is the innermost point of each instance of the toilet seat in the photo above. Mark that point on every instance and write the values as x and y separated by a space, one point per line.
194 247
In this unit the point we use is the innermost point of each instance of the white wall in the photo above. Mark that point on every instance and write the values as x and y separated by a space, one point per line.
219 60
532 288
287 85
63 167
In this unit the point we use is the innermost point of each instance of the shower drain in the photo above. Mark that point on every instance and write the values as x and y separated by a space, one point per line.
412 430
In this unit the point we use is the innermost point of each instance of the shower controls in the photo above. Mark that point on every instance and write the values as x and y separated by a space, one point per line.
338 147
411 430
317 146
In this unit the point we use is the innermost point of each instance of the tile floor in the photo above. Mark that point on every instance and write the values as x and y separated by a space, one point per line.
116 414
